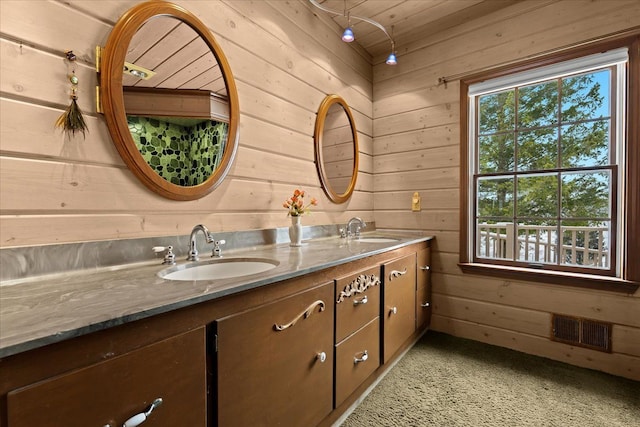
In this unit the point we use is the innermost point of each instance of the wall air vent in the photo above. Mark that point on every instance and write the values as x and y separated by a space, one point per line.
581 332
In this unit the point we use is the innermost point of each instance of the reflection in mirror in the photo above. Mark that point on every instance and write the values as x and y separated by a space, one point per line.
176 101
336 146
170 100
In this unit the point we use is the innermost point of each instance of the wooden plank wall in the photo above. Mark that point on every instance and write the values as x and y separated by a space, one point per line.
285 59
417 146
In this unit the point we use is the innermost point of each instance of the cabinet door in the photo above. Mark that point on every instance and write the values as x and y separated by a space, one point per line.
423 294
111 392
399 307
275 362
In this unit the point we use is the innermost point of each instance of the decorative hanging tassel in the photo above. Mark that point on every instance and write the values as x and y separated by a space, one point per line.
71 120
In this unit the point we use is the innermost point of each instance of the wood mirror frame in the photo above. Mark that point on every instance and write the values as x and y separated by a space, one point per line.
113 106
319 137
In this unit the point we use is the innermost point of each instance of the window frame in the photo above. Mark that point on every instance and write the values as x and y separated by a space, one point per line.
629 279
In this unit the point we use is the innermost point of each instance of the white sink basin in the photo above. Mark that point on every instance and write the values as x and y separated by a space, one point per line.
376 240
223 268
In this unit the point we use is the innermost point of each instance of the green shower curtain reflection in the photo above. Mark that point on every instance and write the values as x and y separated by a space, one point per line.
183 151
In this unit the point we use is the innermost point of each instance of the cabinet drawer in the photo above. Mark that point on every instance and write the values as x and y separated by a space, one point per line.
357 301
111 392
351 370
399 308
423 293
275 362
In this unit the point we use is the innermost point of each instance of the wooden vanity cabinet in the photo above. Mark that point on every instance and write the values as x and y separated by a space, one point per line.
399 304
423 289
275 362
278 355
111 392
357 300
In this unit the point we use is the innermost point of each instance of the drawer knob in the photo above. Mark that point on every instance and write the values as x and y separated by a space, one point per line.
362 300
322 356
362 358
393 310
141 417
425 268
425 305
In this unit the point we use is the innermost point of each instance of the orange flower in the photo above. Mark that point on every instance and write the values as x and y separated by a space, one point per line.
295 205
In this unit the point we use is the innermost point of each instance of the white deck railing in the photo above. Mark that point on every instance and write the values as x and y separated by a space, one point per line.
584 246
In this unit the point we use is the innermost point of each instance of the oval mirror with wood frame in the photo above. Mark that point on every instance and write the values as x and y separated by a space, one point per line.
336 148
169 100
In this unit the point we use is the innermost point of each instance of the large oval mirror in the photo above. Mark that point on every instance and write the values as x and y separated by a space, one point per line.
169 100
336 148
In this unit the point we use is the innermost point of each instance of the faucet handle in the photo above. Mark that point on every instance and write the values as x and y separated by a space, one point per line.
217 252
169 256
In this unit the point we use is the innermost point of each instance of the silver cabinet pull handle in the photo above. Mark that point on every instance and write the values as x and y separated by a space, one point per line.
362 358
425 305
141 417
306 313
397 273
393 310
362 300
322 356
425 268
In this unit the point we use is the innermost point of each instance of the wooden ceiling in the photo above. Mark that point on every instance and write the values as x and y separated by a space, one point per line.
410 19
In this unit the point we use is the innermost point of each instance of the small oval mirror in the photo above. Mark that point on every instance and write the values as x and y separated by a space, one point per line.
336 148
170 100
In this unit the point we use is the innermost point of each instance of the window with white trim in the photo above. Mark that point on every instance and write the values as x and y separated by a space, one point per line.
546 181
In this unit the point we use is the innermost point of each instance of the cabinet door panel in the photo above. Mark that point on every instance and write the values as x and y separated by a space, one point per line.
271 377
423 295
349 373
357 301
111 392
398 309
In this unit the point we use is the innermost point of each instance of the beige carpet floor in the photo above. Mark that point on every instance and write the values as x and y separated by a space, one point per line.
447 381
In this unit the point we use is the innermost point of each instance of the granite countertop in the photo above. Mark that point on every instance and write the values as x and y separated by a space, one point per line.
53 308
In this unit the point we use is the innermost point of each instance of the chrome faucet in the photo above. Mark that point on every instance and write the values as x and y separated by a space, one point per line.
193 251
358 228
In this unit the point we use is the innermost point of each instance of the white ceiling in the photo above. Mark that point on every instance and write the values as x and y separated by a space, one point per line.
410 19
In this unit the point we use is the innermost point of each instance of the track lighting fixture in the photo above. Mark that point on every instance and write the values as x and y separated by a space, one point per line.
391 59
348 35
